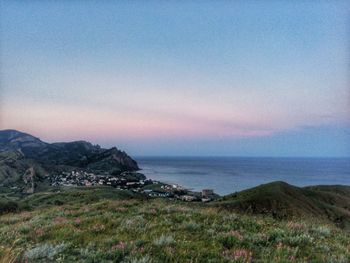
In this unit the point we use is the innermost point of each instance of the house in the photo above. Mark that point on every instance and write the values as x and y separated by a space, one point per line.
153 193
132 183
188 198
207 193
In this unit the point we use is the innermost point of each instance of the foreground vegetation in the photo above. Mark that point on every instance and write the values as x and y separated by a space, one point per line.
106 225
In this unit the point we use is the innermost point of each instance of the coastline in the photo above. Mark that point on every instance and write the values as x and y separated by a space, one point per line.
230 174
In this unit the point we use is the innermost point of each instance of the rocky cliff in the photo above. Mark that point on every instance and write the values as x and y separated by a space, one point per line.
25 159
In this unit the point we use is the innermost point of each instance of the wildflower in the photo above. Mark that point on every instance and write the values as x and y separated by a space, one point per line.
39 232
98 228
238 254
153 211
122 245
60 220
243 254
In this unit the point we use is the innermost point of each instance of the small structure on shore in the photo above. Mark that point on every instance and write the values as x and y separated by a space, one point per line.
188 198
207 195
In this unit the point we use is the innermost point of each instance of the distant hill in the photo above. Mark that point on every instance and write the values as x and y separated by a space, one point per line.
26 161
282 200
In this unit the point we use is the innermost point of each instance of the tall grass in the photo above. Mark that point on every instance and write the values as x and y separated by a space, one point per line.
163 231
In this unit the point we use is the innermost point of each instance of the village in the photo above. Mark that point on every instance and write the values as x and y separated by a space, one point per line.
133 181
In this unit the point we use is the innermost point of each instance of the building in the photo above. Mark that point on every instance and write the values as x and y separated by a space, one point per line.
188 198
207 193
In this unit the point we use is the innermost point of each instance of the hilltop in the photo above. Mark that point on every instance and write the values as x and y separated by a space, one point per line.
103 224
77 153
282 201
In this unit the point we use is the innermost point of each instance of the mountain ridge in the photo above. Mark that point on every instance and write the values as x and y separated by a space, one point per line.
20 151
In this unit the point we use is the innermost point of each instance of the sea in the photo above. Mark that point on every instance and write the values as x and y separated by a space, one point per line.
230 174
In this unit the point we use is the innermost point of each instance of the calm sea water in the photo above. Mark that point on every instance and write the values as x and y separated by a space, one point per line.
227 174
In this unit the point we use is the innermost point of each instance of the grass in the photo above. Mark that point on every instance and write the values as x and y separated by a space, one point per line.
76 195
283 201
104 225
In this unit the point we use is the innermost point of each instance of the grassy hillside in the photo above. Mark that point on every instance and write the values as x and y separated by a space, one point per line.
64 195
76 196
107 225
281 200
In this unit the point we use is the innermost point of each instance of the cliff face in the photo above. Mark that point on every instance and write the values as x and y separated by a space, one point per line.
21 153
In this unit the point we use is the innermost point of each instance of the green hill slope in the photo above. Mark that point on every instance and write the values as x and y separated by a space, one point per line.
94 226
282 200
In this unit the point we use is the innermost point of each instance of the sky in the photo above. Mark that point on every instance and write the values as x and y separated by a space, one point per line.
199 78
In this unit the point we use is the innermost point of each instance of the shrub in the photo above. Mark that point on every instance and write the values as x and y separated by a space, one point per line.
164 240
230 241
191 226
24 229
322 231
45 251
299 240
8 207
276 235
58 202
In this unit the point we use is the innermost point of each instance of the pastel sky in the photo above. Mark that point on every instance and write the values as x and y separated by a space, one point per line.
240 78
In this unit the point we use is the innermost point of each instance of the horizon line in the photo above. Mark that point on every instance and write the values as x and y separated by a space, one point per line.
239 156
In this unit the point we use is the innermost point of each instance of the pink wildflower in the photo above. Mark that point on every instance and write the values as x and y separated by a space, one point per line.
60 220
238 254
39 232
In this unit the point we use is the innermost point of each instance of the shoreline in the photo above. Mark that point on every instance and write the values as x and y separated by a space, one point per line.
229 174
